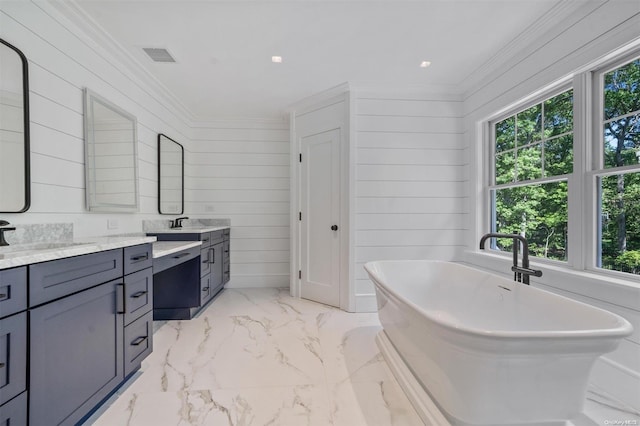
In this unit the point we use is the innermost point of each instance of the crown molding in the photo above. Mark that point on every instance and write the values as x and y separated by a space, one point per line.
318 98
536 34
243 123
77 16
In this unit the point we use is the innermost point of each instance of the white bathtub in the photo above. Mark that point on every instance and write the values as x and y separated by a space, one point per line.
487 350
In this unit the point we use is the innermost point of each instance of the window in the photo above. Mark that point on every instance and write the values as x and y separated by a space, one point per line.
617 168
534 172
533 156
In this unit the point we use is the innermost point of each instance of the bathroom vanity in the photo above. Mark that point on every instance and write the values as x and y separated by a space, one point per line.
182 291
75 322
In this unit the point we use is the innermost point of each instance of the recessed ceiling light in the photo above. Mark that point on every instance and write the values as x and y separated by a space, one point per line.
424 64
276 59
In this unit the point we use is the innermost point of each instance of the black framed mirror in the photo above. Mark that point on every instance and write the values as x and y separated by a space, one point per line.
170 176
15 177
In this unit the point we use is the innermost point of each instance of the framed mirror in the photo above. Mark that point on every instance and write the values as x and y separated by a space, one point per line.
170 176
15 178
111 156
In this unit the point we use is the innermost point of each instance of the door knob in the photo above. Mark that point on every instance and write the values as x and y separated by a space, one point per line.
334 227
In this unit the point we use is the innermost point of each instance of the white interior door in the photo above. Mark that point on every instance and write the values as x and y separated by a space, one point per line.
320 213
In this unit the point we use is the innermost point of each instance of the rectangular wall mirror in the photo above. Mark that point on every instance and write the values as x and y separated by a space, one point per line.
170 176
111 156
15 180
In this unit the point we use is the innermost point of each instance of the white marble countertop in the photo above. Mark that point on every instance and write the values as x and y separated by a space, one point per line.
188 230
26 254
165 248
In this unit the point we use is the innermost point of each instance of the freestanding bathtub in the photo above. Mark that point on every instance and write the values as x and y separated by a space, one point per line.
487 350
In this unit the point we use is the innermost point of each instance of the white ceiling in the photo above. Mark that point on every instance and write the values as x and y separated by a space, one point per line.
223 48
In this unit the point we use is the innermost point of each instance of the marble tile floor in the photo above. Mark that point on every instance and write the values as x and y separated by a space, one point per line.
261 357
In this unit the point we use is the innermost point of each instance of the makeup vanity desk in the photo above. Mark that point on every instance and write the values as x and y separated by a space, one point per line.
190 266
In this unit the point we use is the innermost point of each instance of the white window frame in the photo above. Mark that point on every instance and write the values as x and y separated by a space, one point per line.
539 97
582 209
596 167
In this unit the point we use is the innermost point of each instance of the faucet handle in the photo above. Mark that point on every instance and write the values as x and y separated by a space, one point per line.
4 223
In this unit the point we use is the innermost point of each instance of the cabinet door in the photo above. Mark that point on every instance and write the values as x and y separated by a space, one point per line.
13 356
216 266
76 355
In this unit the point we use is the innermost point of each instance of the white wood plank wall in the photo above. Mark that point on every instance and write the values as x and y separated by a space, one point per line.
411 182
240 170
62 61
593 32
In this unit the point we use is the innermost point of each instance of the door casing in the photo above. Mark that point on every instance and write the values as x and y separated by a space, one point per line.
310 117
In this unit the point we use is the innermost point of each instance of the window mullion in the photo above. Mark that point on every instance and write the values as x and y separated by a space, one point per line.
580 208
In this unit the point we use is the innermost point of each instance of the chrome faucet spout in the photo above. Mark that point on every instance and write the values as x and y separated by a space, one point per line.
521 273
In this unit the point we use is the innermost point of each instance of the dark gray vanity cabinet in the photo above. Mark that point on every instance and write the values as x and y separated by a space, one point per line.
226 256
13 346
90 327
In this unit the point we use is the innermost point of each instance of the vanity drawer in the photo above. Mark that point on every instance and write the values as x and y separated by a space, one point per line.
226 251
14 412
226 273
137 258
138 342
13 356
205 289
205 237
13 291
217 237
59 278
165 262
206 256
138 295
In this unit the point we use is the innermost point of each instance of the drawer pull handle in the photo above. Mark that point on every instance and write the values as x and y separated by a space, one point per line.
206 240
226 251
181 255
139 294
139 258
2 364
213 255
205 289
3 295
138 340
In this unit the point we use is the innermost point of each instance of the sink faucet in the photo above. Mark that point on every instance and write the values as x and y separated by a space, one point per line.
177 223
4 228
520 273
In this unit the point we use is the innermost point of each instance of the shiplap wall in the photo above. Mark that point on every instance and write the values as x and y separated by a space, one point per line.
410 182
240 170
62 61
593 33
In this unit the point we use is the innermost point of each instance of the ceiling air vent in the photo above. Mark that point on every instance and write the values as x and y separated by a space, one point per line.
158 54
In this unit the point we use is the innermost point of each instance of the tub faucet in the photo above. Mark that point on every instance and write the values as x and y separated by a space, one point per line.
520 273
4 228
177 223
